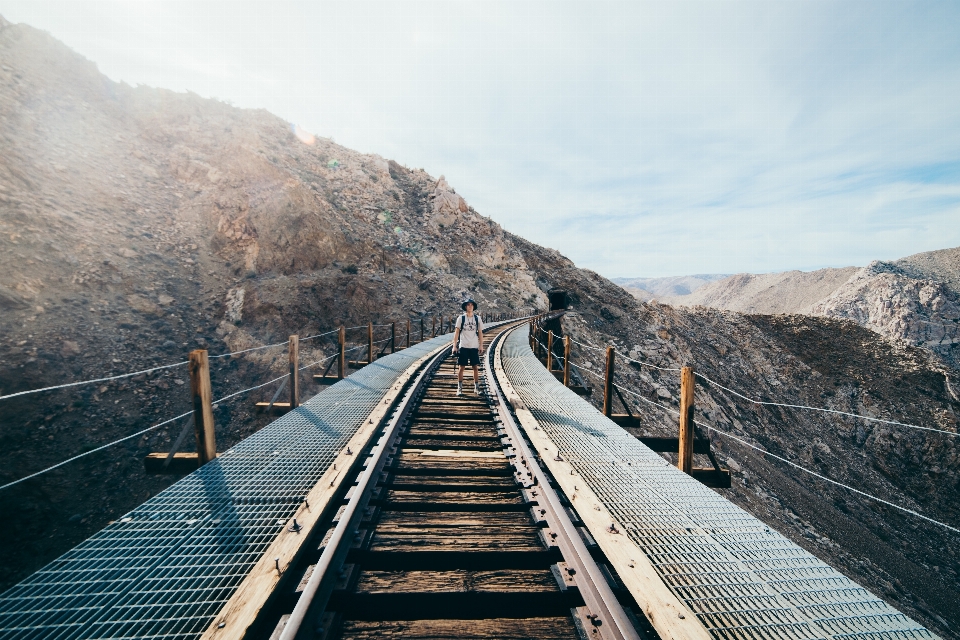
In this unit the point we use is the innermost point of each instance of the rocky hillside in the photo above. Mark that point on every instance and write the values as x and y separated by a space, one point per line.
666 288
137 224
787 292
915 299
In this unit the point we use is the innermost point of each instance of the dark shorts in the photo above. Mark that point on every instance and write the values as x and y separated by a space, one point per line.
469 356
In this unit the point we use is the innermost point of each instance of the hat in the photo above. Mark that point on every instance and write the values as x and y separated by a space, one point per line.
463 305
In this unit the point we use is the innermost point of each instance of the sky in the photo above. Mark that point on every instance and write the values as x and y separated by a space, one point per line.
640 139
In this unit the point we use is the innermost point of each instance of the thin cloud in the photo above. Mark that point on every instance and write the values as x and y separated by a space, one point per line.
638 138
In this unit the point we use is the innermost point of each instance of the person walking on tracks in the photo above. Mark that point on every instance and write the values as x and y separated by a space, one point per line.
468 344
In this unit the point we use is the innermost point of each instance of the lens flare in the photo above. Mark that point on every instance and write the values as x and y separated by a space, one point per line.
302 134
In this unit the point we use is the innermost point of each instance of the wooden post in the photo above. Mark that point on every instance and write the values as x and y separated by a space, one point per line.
340 356
393 337
293 349
370 343
408 334
685 461
421 328
202 409
608 383
434 330
566 361
550 351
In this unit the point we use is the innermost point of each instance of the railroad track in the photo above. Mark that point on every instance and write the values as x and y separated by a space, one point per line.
451 529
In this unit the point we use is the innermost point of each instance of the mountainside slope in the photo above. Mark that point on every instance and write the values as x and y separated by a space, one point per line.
668 287
137 224
914 299
787 292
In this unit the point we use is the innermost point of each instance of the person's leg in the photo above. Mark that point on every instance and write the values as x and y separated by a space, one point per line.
460 373
476 374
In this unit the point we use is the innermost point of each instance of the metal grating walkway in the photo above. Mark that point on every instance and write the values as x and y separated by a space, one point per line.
165 569
742 579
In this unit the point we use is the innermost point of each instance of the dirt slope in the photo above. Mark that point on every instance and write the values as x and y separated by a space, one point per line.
137 224
787 292
668 287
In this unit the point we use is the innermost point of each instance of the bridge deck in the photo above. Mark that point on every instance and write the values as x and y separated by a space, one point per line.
168 567
165 569
740 578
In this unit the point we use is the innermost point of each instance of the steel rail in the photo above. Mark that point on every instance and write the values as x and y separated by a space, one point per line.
345 524
596 592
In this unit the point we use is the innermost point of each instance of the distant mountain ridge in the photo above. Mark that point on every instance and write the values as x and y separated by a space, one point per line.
915 299
671 286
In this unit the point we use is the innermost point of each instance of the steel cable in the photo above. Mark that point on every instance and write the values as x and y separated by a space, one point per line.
100 448
842 413
312 364
320 335
831 481
234 353
76 384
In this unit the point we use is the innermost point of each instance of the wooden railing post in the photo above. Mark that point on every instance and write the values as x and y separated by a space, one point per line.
550 351
685 459
341 364
608 383
293 349
408 334
421 328
370 343
202 408
393 337
566 361
434 330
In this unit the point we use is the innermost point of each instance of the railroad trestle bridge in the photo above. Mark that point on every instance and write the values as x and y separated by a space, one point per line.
388 506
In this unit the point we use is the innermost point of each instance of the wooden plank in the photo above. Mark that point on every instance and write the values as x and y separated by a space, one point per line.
455 537
608 382
324 380
554 628
441 498
242 609
671 618
500 519
357 364
293 352
453 453
181 463
202 405
715 478
463 445
685 456
465 482
278 408
457 581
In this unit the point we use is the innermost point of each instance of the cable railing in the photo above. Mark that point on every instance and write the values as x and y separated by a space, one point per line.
611 386
821 409
343 350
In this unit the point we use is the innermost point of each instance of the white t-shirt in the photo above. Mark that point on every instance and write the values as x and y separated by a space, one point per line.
468 333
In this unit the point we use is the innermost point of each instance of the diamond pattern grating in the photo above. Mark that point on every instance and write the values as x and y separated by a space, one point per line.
165 569
741 578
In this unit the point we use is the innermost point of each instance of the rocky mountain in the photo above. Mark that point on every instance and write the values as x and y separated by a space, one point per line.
786 292
668 287
137 224
915 299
